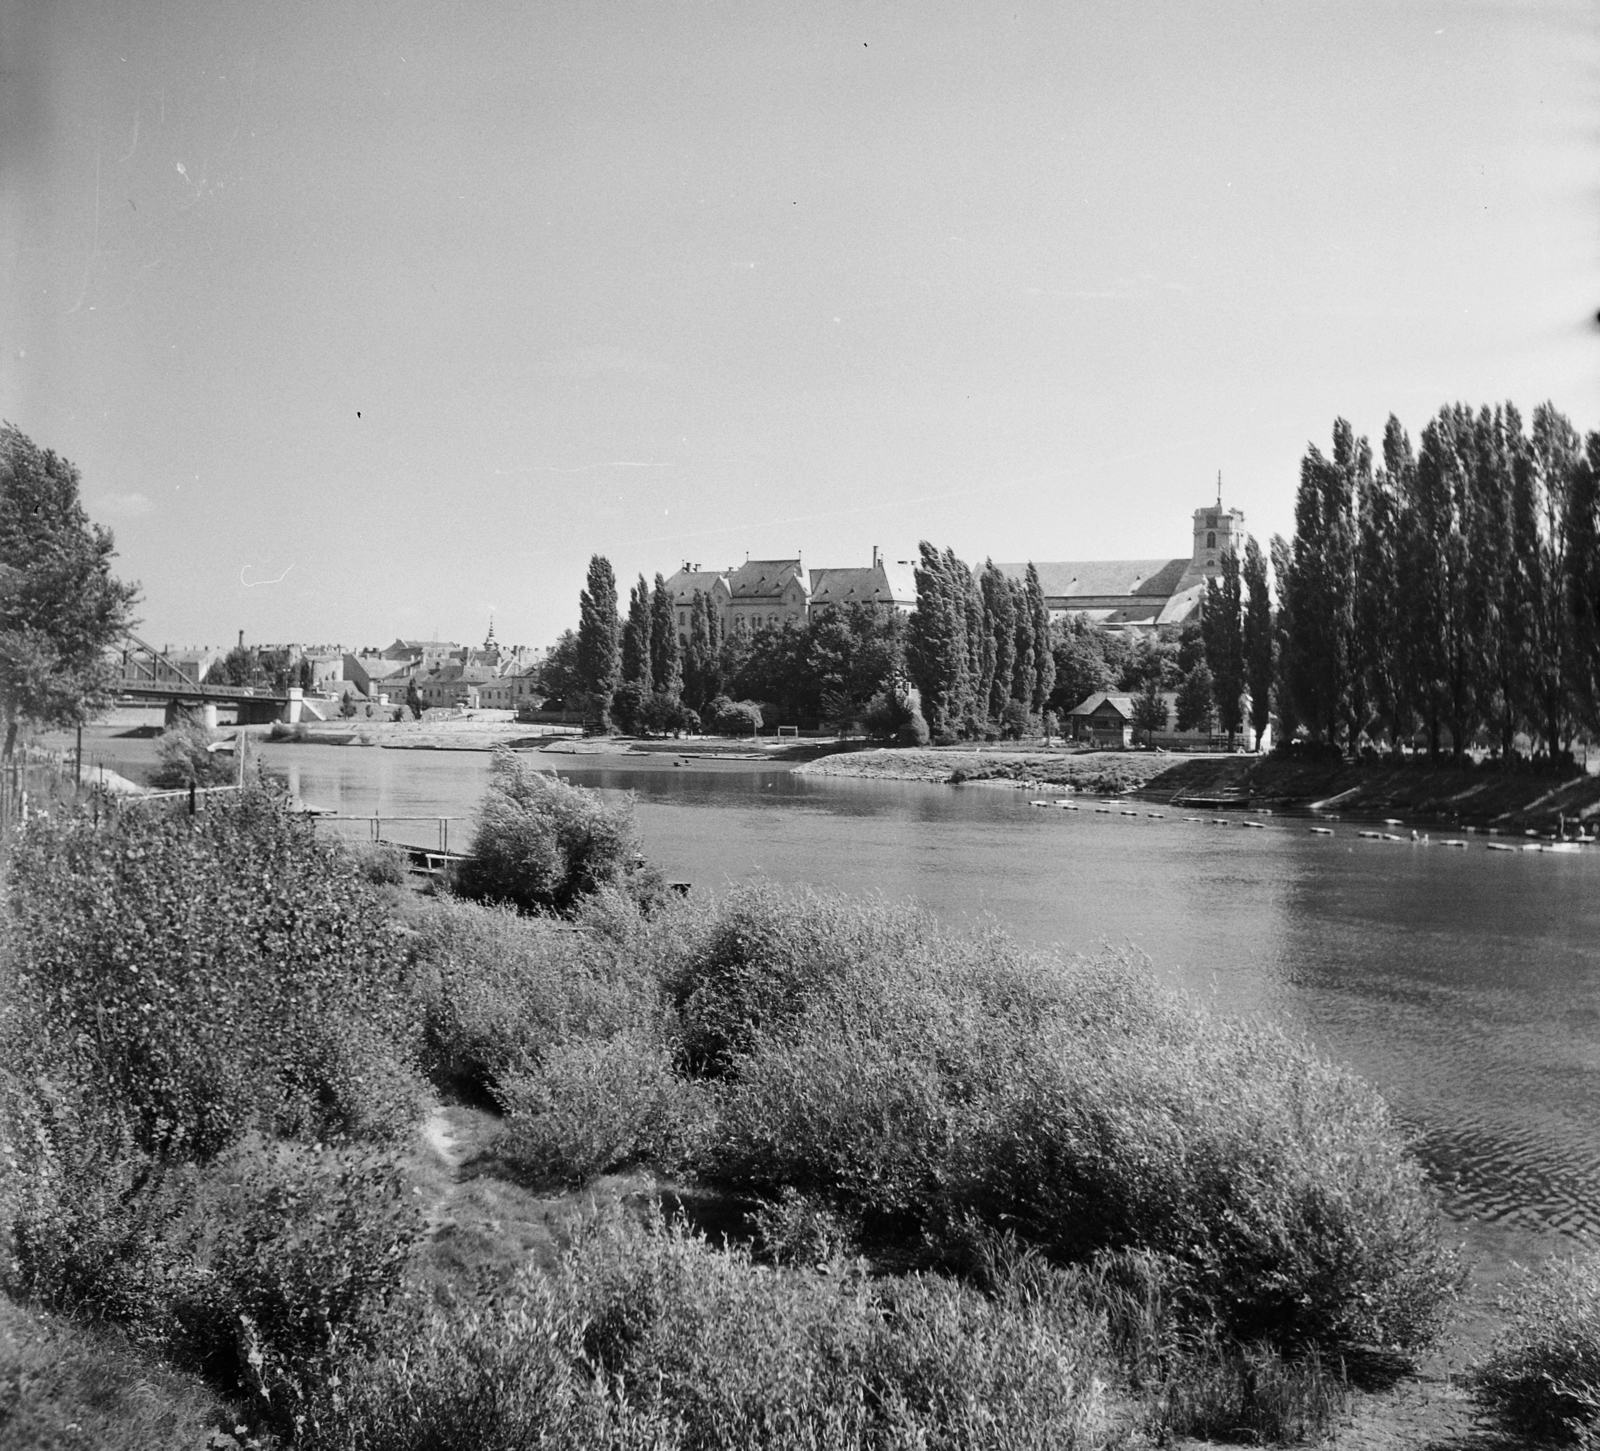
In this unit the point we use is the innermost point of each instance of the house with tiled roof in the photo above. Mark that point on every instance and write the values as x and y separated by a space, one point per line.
767 592
1103 720
1134 594
883 585
692 579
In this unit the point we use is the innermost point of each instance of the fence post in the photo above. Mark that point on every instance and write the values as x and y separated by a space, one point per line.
191 798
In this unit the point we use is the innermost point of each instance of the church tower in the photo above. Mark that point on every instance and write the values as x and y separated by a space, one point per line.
1216 531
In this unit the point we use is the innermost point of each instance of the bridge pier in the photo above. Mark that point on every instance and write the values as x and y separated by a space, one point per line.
294 706
201 713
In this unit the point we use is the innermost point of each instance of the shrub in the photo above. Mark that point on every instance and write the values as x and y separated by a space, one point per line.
885 715
381 863
209 973
914 732
497 990
1542 1376
726 717
923 1082
644 1336
542 845
591 1105
186 759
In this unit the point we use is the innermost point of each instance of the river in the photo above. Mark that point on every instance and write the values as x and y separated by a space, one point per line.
1463 984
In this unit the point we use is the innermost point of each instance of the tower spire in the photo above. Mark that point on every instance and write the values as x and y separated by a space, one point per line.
1219 488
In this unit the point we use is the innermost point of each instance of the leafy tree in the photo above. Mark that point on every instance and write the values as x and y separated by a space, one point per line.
60 605
559 675
186 759
701 677
1583 580
1150 709
599 658
305 673
1547 477
1257 639
413 699
1381 626
1498 587
1044 666
1196 700
1283 639
1320 584
347 706
1080 664
937 642
1222 627
666 657
636 637
1000 652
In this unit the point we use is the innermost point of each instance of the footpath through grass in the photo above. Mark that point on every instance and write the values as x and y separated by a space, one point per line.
978 1196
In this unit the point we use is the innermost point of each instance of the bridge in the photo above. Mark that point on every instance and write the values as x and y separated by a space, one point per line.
146 673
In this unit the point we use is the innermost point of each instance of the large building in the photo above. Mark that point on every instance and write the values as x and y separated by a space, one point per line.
769 592
1135 594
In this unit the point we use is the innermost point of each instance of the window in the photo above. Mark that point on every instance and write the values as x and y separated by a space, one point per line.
1211 541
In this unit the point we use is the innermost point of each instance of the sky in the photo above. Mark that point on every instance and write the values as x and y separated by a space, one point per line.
366 320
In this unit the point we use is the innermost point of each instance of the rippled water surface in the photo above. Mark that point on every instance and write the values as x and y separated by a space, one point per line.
1465 984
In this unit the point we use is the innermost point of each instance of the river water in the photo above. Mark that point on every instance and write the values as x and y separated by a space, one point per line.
1463 984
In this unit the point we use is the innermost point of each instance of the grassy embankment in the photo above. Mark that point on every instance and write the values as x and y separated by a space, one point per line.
1105 771
980 1197
1478 796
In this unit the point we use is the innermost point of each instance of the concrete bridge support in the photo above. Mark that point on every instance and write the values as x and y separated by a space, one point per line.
201 713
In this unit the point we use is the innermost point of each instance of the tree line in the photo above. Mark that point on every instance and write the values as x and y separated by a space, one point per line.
642 673
1450 591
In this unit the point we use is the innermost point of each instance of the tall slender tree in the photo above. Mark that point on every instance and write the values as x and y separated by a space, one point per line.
666 655
700 682
1283 639
636 637
1380 630
1256 639
599 656
1547 478
1000 616
1044 664
1222 624
1583 581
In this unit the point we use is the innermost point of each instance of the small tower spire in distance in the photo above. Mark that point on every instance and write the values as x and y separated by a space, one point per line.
1219 488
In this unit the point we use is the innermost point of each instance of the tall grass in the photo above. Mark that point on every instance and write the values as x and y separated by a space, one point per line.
1542 1376
646 1336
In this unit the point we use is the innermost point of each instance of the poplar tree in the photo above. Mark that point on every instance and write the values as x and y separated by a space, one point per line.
1380 624
598 654
1222 626
1547 479
1256 638
1283 638
1498 587
975 702
636 637
937 644
700 679
1321 584
1583 580
1000 618
1026 648
666 657
1044 664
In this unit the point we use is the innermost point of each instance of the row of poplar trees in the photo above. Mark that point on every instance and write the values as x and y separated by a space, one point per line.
1453 589
978 647
639 665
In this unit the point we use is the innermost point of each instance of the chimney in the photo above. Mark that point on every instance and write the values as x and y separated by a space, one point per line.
241 639
874 556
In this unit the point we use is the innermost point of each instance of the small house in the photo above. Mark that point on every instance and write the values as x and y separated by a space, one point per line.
1103 720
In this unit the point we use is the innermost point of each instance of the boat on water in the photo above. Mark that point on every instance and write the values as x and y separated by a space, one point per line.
1253 825
1038 803
1499 846
1370 835
1322 831
1452 842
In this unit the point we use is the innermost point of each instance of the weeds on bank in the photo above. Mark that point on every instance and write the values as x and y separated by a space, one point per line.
1542 1376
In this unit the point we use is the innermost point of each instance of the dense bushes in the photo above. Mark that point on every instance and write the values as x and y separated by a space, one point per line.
202 1016
923 1083
186 759
725 717
209 973
647 1337
542 845
1542 1377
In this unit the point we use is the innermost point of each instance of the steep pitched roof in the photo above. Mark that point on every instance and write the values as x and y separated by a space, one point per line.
763 578
686 581
1122 704
1102 578
868 584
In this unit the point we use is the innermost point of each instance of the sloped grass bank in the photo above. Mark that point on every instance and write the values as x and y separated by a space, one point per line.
1107 771
995 1197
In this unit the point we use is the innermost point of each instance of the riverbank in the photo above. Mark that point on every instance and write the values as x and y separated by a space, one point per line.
1417 790
1107 771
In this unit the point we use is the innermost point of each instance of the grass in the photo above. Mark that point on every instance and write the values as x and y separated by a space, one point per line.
1542 1376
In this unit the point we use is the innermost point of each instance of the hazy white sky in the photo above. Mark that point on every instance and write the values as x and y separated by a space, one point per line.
368 319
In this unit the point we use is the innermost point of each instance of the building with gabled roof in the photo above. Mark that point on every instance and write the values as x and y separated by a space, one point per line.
691 579
766 592
882 585
1134 594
